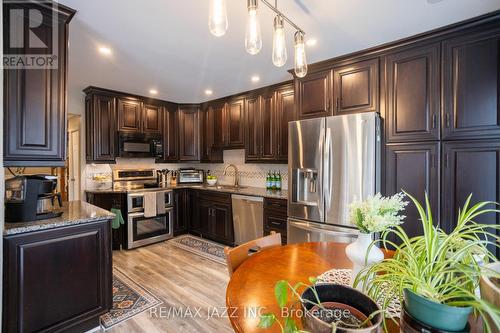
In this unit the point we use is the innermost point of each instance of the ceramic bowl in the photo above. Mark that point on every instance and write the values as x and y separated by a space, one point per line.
211 182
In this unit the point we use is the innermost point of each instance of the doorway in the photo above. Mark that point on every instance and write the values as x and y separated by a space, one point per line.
73 174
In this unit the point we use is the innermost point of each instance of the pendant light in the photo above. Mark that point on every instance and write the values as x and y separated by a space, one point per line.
253 38
217 17
300 66
279 43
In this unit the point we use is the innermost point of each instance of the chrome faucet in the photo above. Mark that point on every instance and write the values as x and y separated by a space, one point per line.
235 173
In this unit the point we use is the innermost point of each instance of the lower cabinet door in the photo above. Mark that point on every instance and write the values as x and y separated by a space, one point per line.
59 279
414 168
223 223
470 167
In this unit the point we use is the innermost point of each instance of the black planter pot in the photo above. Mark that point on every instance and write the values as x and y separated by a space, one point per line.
328 292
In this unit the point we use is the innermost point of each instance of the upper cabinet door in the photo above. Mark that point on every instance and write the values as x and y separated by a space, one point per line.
218 110
129 114
314 95
252 129
189 141
170 133
267 126
101 128
471 85
285 112
413 94
470 167
35 100
208 151
356 87
235 124
414 168
152 118
206 130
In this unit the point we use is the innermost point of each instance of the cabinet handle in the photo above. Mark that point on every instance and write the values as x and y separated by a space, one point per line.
434 120
337 104
447 119
446 160
275 223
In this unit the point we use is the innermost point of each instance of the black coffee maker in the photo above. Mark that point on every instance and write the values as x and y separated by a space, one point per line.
31 198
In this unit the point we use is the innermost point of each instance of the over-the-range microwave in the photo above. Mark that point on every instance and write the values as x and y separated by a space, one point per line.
134 144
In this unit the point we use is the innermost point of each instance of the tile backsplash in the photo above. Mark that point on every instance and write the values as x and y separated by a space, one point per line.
250 174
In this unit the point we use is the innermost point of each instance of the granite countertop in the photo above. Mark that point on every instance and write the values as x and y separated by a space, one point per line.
74 212
251 191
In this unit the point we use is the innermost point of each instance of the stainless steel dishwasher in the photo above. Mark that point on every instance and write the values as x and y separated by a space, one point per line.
248 218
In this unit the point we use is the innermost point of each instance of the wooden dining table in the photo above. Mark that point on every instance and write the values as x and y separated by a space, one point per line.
251 288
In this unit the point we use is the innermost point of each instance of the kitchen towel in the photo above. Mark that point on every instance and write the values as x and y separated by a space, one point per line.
160 203
118 219
150 204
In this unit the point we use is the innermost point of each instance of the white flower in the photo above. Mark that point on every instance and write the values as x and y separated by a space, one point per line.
378 213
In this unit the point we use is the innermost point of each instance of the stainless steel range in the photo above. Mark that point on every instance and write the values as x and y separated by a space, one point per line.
150 209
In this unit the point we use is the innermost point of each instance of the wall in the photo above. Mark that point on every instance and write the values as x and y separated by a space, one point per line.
250 174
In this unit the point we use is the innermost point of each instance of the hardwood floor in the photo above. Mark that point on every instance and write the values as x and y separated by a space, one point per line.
181 280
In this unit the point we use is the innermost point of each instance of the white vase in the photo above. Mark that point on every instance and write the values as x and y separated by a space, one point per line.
356 252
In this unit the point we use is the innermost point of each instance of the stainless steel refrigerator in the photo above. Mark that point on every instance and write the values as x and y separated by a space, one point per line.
331 162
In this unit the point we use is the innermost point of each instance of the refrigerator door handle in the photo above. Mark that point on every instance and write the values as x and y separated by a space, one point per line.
326 231
328 158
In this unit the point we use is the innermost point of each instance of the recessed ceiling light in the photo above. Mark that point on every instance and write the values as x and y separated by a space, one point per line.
105 50
153 92
255 78
208 92
311 42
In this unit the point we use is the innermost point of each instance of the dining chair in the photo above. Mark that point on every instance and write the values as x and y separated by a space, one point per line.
236 256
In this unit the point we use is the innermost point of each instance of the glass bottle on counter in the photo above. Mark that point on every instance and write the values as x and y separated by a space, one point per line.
268 180
278 181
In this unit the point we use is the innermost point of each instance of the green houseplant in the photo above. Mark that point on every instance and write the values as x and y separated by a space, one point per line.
437 274
324 308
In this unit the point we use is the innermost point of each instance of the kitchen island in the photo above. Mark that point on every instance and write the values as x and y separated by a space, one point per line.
58 272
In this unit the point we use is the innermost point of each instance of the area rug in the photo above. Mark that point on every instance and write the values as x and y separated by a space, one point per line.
129 299
201 247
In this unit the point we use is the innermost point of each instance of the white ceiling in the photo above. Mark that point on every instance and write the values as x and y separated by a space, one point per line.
166 44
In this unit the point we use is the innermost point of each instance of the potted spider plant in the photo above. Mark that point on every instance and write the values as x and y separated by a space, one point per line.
324 308
437 274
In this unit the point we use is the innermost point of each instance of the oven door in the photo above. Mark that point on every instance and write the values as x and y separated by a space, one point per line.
135 201
147 230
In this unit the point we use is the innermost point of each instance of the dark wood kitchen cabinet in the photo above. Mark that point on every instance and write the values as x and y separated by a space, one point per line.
213 217
152 118
189 129
35 99
471 85
210 151
170 130
253 137
470 167
100 129
413 94
130 117
182 205
268 128
414 168
314 95
275 217
108 201
268 112
234 124
285 112
58 279
356 87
